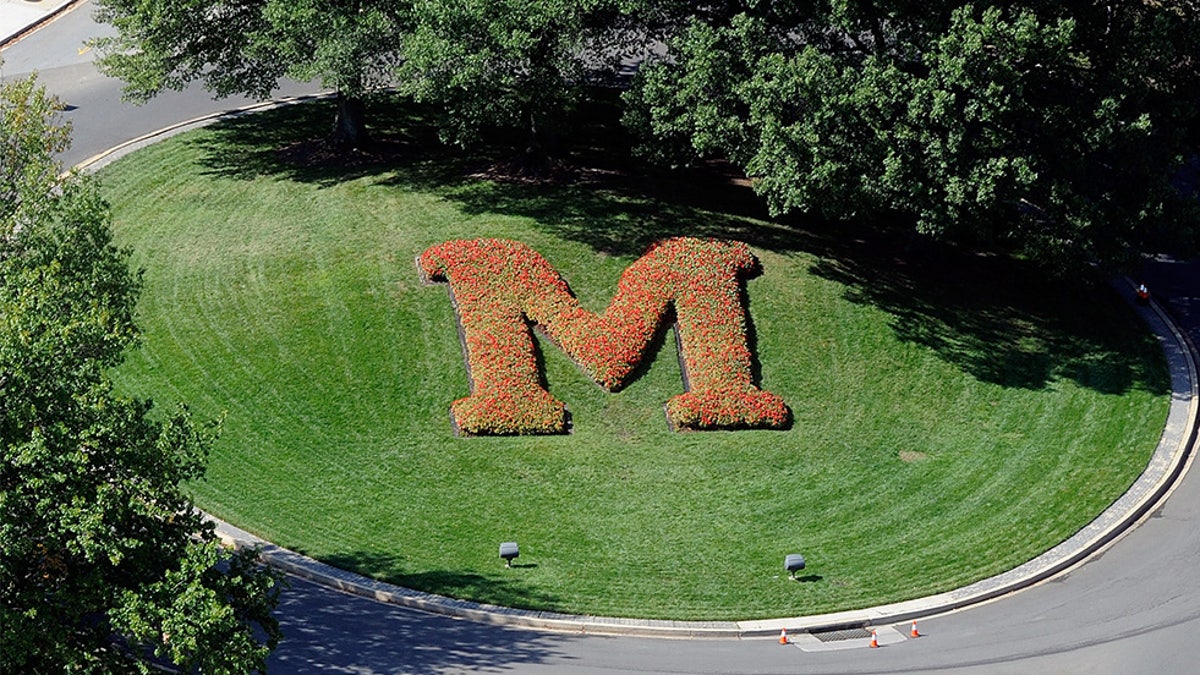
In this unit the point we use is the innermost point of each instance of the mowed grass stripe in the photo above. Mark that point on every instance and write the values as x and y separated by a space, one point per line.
948 426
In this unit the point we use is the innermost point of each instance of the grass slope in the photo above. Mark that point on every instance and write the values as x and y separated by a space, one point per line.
954 416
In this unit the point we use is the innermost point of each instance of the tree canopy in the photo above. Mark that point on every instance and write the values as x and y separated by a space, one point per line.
1061 130
105 566
1056 129
30 138
516 64
248 47
485 63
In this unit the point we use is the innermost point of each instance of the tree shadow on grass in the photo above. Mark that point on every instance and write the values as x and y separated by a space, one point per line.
280 143
503 587
1002 321
611 203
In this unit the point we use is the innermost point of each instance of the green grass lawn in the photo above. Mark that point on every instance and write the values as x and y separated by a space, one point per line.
955 414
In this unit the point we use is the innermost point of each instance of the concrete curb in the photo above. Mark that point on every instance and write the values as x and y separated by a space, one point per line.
1168 463
103 159
47 17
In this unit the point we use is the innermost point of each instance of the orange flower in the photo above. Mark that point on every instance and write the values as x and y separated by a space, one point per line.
501 287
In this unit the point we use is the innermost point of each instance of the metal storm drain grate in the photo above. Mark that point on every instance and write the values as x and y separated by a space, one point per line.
844 634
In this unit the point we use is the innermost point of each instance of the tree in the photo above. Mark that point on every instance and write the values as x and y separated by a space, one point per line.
26 174
248 46
516 64
105 566
1059 130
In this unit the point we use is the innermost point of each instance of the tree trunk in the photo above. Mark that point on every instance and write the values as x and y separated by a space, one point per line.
542 149
350 125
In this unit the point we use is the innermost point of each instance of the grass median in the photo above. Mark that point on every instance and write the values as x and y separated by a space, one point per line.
954 414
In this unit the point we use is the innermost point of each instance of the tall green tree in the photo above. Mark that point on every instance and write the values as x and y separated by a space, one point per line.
1061 130
513 64
105 566
249 46
26 172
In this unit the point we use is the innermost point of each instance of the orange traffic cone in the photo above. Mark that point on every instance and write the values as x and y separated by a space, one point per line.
783 636
874 640
914 632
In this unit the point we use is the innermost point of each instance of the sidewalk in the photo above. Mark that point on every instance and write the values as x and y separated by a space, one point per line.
19 16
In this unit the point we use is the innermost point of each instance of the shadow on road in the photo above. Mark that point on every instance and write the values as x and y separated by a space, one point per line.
330 632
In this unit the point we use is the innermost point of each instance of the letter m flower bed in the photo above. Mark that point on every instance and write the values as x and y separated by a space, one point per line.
501 288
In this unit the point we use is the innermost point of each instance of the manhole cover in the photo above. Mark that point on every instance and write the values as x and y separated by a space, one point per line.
844 634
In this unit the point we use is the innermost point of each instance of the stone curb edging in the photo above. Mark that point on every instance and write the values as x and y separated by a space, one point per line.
1167 464
102 159
6 40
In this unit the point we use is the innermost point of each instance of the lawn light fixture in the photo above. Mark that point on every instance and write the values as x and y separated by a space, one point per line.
508 551
793 563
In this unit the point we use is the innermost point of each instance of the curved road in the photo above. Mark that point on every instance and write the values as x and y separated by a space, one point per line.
1132 609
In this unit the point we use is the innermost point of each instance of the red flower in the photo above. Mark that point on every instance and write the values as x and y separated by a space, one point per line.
500 287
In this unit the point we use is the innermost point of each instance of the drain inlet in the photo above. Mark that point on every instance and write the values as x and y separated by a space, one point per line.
841 634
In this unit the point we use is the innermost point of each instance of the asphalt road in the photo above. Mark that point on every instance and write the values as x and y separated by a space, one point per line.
99 118
1133 609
